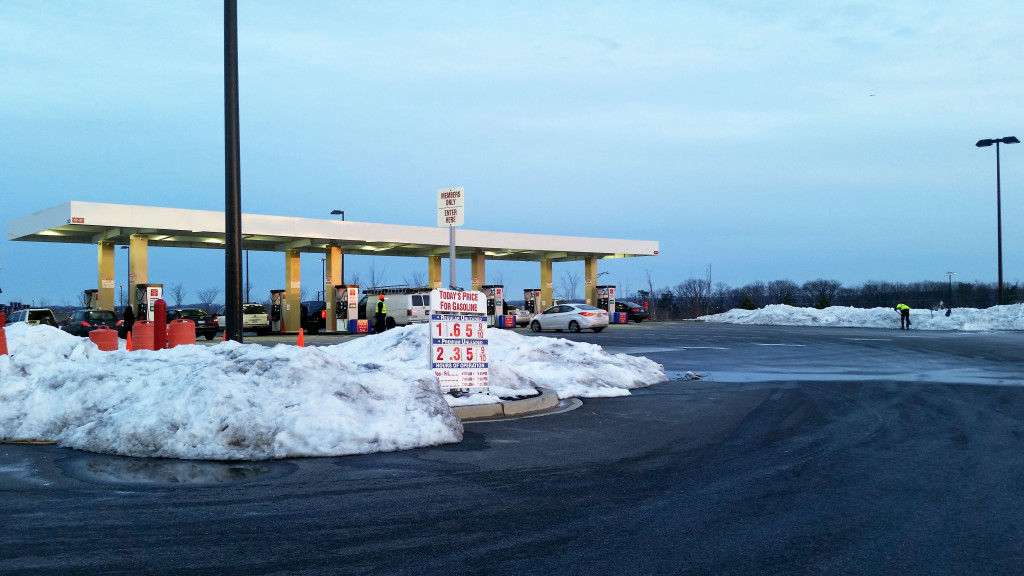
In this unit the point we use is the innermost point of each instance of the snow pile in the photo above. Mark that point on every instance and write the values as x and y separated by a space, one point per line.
968 319
520 364
233 401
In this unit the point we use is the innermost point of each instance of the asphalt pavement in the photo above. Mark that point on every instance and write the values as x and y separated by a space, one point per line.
797 451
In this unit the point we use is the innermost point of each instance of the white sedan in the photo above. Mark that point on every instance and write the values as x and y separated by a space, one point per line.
571 317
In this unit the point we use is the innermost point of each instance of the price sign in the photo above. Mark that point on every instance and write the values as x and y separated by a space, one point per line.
458 340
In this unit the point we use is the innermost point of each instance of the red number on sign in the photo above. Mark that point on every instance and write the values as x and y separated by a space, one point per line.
458 354
469 354
469 330
440 354
455 330
483 354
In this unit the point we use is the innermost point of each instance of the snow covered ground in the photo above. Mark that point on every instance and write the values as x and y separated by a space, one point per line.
969 319
233 401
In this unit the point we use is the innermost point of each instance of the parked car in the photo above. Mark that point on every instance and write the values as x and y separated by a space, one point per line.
254 318
314 316
571 317
206 324
522 316
33 316
634 311
81 322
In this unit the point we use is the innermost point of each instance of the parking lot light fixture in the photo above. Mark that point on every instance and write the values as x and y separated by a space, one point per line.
999 203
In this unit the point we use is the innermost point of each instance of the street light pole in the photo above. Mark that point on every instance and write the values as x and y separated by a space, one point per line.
950 306
999 202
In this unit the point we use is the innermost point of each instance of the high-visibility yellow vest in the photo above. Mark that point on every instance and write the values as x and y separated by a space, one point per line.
381 307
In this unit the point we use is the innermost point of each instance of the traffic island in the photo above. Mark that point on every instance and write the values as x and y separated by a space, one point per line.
546 400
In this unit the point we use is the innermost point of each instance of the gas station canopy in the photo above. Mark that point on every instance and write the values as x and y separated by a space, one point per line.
92 223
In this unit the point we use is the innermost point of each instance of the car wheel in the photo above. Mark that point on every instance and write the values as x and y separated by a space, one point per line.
599 329
535 326
638 320
574 326
209 336
389 323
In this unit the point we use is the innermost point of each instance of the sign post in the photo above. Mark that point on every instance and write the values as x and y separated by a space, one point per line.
458 340
451 213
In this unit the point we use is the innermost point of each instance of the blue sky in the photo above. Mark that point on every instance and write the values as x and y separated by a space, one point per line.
769 140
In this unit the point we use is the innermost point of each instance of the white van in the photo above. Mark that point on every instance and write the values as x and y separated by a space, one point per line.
404 305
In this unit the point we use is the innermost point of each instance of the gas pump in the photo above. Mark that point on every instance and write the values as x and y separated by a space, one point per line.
347 309
495 295
148 294
606 298
531 297
277 310
92 299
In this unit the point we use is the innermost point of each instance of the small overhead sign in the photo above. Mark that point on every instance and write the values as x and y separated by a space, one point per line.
450 206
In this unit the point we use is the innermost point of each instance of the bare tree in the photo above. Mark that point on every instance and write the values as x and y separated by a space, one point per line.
821 292
376 278
756 291
570 281
693 296
177 292
782 292
416 279
208 297
497 278
650 294
623 291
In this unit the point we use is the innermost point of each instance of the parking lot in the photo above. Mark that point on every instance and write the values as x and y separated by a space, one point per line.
796 451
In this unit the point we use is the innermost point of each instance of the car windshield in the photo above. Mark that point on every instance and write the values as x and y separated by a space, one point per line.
585 307
100 315
254 309
191 313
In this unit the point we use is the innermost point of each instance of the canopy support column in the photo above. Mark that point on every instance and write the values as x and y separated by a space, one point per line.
330 294
590 283
293 294
479 269
546 299
105 282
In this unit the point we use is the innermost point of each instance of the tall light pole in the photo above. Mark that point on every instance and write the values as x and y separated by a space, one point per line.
950 306
999 202
342 212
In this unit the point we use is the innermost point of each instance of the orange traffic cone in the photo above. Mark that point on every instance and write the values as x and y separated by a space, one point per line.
301 343
128 341
225 338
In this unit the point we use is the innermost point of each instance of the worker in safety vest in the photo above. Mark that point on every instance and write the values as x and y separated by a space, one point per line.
904 311
380 318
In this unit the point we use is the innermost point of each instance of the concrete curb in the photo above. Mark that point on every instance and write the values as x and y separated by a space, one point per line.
547 400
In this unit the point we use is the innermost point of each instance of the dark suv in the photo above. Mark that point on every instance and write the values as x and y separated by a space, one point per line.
81 322
634 311
314 316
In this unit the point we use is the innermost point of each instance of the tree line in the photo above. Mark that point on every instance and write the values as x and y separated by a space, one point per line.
696 297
